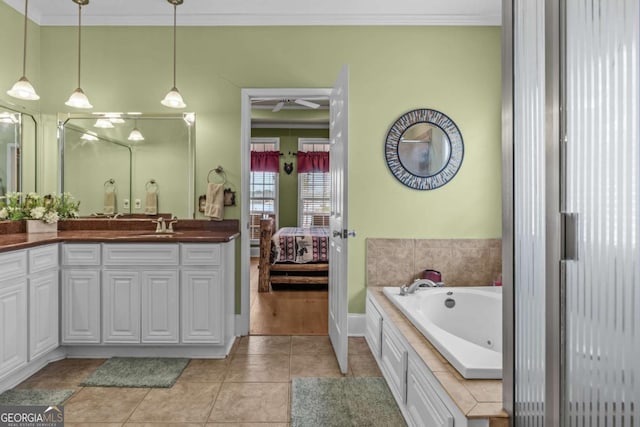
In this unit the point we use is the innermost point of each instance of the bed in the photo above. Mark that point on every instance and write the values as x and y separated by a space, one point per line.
292 256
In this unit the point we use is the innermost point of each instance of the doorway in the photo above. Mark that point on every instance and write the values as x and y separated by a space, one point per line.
292 310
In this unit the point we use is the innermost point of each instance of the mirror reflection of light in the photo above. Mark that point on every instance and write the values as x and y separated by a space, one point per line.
8 118
135 135
189 118
115 118
89 136
104 124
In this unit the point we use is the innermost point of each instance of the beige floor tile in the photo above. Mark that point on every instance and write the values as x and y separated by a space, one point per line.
247 424
163 425
205 371
311 345
358 345
66 424
66 373
321 366
258 368
184 402
103 404
364 365
263 344
252 402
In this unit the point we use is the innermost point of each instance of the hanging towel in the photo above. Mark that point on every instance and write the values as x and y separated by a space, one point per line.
109 202
214 207
151 203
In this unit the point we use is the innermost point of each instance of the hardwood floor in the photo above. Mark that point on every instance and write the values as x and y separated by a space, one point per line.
287 312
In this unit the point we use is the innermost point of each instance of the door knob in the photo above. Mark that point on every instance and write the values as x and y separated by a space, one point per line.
351 233
337 234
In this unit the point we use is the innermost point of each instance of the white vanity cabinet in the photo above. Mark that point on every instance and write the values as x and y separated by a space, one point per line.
81 293
13 311
202 294
148 293
373 329
393 361
43 300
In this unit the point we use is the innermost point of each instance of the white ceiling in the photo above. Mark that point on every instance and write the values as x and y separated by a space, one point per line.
263 12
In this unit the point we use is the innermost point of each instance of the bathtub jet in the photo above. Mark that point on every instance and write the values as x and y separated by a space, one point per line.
463 323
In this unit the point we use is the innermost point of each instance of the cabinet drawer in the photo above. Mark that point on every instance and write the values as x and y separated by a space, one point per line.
42 259
140 254
13 264
80 254
200 254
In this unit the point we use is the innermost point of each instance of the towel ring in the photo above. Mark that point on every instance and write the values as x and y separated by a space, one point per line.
220 171
110 184
150 184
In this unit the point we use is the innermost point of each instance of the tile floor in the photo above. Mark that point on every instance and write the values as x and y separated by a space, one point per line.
250 388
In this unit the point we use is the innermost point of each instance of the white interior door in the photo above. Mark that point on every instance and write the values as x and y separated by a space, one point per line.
338 160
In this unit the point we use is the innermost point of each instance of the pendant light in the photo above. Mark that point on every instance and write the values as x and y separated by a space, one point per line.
78 99
135 134
23 89
173 98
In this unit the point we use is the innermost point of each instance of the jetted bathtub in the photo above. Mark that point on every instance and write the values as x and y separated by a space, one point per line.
463 323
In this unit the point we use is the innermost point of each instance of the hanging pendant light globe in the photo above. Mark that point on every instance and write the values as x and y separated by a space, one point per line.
23 89
173 99
78 99
135 134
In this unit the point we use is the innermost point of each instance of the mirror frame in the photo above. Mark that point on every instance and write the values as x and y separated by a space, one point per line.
25 112
394 136
64 118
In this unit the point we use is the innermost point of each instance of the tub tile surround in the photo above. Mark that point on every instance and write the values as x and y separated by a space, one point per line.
474 398
462 262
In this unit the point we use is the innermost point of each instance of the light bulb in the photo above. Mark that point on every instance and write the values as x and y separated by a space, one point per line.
22 89
173 99
78 100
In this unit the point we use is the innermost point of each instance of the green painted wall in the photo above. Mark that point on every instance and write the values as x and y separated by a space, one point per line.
392 70
288 184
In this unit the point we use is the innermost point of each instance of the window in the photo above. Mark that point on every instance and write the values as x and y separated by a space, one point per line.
314 189
263 190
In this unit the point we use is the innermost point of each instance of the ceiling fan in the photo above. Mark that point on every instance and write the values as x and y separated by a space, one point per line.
283 101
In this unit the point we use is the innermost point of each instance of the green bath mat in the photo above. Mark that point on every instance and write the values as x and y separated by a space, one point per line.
338 402
137 372
34 397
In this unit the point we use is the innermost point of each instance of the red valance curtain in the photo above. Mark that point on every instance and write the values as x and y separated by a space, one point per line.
313 161
265 161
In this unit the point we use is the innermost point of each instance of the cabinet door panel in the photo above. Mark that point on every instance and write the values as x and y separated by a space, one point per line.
394 361
160 306
12 264
43 258
121 306
13 325
43 313
202 306
423 404
80 306
373 331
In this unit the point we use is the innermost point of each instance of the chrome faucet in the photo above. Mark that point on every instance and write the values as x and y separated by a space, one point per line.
419 283
173 220
161 226
116 215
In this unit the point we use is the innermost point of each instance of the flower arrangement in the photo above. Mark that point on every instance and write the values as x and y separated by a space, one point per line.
48 208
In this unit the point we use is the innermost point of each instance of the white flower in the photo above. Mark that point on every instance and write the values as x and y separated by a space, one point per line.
37 212
50 217
4 214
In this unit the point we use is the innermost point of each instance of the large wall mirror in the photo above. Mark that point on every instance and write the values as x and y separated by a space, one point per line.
424 149
18 148
117 163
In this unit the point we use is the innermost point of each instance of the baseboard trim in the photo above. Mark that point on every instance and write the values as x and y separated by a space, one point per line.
30 368
191 351
357 324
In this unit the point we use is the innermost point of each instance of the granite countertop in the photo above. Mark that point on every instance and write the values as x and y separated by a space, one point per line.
475 398
121 231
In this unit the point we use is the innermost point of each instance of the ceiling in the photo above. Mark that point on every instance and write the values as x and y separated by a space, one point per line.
261 12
